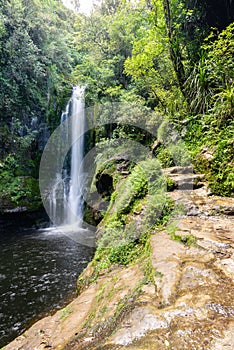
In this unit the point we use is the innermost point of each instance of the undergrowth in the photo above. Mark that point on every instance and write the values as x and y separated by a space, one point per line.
211 146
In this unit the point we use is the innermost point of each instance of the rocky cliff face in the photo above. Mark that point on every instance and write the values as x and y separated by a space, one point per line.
177 294
20 151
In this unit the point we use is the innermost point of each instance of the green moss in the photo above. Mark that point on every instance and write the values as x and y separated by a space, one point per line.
171 185
108 167
146 262
121 241
100 293
127 301
158 210
103 310
138 205
145 178
188 240
122 245
90 318
123 254
133 188
164 156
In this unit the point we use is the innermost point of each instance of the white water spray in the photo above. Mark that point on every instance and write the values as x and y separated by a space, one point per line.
66 199
75 201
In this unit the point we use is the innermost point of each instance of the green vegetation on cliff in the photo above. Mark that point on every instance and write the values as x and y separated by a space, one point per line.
172 57
37 57
137 206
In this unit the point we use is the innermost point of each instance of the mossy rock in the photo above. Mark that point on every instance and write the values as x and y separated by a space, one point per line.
136 206
146 177
94 214
110 173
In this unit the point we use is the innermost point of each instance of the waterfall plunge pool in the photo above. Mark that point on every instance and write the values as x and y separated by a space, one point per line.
39 269
38 273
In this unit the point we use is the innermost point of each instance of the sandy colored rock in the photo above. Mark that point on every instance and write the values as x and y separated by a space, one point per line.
189 305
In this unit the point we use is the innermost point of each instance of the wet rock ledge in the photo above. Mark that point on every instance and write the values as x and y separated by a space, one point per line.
188 305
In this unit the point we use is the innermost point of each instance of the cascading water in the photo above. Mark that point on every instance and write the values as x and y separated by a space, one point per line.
75 202
66 204
62 177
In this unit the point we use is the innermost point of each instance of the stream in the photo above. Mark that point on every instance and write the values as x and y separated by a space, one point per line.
38 273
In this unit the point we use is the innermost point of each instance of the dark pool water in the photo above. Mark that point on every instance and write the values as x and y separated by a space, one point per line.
38 273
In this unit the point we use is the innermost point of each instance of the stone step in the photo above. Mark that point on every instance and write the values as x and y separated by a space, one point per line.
184 178
178 170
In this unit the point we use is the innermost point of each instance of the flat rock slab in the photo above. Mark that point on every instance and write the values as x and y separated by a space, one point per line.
204 204
193 307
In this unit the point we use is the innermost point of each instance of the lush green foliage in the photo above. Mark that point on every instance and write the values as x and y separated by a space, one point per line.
37 57
210 85
104 41
163 57
150 54
211 145
212 92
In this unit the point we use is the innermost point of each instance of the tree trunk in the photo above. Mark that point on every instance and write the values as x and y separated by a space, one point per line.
174 48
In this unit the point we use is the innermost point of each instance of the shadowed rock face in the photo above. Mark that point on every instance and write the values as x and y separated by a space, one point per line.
105 185
188 306
105 176
105 182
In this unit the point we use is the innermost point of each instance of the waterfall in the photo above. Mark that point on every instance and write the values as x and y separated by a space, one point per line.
75 202
66 203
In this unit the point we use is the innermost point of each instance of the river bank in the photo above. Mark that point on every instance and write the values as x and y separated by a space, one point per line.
183 300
